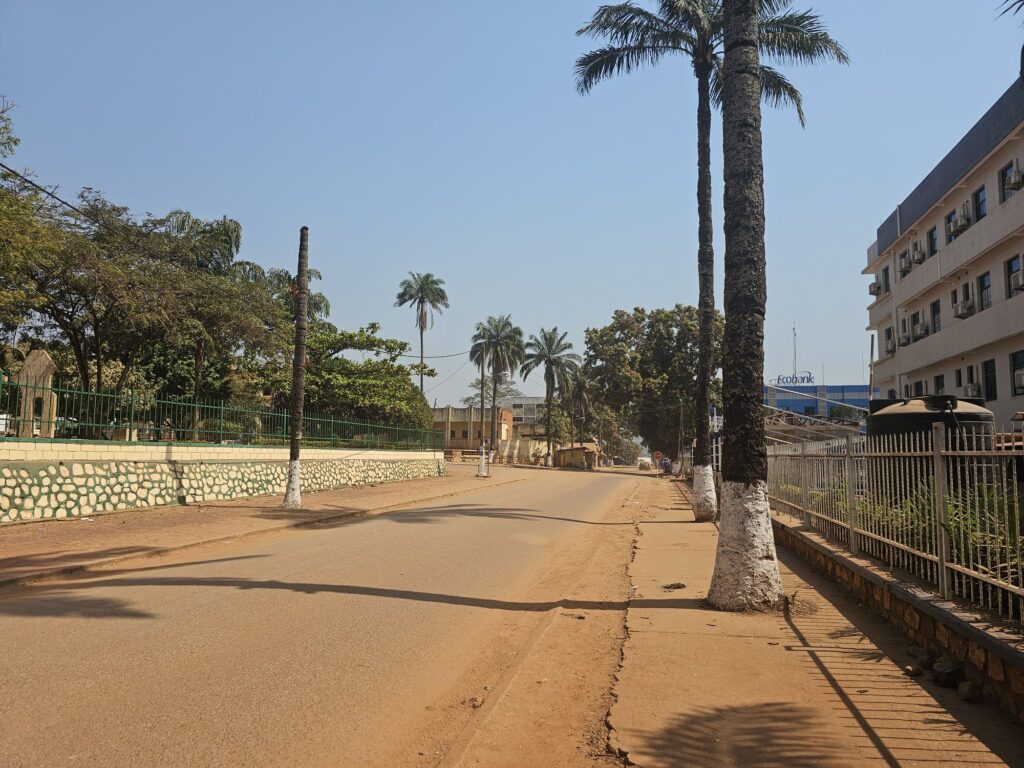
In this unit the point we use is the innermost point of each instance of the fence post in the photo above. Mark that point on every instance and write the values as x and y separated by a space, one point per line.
851 495
220 432
805 484
939 502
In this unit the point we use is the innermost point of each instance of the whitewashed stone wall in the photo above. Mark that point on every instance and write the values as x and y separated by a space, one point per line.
76 487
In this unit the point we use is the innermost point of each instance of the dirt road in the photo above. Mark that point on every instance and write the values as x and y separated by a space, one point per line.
434 635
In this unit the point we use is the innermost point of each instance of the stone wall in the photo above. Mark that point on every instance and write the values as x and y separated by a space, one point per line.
59 480
971 648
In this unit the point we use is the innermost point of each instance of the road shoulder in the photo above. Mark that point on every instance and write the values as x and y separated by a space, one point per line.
45 549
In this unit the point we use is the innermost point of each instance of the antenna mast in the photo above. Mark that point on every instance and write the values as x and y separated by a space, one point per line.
794 351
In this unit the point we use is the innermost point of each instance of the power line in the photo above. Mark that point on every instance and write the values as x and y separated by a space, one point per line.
438 357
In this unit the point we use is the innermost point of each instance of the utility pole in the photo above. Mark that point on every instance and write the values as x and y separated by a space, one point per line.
293 490
679 447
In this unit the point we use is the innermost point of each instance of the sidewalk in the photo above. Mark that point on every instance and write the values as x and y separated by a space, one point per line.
819 686
33 550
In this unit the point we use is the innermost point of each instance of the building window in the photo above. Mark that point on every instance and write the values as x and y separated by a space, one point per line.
970 374
891 394
984 292
885 279
940 384
918 388
453 433
950 223
1013 267
465 434
1017 372
1005 193
933 241
959 376
965 291
906 390
954 297
936 316
980 206
890 342
988 379
903 262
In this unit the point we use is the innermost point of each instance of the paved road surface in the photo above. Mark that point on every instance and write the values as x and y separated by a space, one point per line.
363 644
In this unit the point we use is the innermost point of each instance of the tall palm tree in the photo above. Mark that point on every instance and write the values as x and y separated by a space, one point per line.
549 350
503 347
695 29
478 354
746 575
425 294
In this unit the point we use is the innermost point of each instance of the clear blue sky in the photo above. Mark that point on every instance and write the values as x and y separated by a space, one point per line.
448 137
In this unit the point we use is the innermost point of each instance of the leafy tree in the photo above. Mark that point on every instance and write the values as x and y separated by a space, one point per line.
551 353
378 389
746 574
615 432
8 141
644 365
425 294
694 29
500 343
108 287
506 387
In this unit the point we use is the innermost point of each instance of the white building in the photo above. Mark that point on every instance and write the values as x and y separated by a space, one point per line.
948 289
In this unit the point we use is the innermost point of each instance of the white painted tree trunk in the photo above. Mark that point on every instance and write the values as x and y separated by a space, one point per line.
705 499
746 576
293 490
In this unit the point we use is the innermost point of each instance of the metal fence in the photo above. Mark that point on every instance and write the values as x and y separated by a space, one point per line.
45 412
945 506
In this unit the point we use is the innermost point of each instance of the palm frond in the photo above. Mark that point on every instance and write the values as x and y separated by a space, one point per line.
777 91
628 25
1012 6
799 37
603 63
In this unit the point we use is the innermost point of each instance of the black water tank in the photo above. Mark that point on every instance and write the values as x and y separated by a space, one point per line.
917 414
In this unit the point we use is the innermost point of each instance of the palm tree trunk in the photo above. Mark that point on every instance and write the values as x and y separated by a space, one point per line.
494 409
705 503
293 489
549 396
421 361
483 405
746 575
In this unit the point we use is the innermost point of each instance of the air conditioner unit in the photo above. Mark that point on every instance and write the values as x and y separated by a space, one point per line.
917 253
963 309
904 265
972 390
904 340
1017 281
920 331
890 346
1018 379
1015 179
875 289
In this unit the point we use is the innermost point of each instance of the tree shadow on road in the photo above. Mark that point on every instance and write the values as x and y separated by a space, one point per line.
769 735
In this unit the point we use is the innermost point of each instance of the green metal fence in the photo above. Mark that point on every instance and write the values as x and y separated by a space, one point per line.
38 412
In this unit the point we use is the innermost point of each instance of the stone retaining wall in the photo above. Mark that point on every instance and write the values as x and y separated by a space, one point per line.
79 479
974 645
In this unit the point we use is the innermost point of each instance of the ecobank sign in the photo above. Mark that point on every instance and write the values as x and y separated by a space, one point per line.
801 377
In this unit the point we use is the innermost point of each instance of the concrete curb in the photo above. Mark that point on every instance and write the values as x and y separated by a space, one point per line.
25 578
